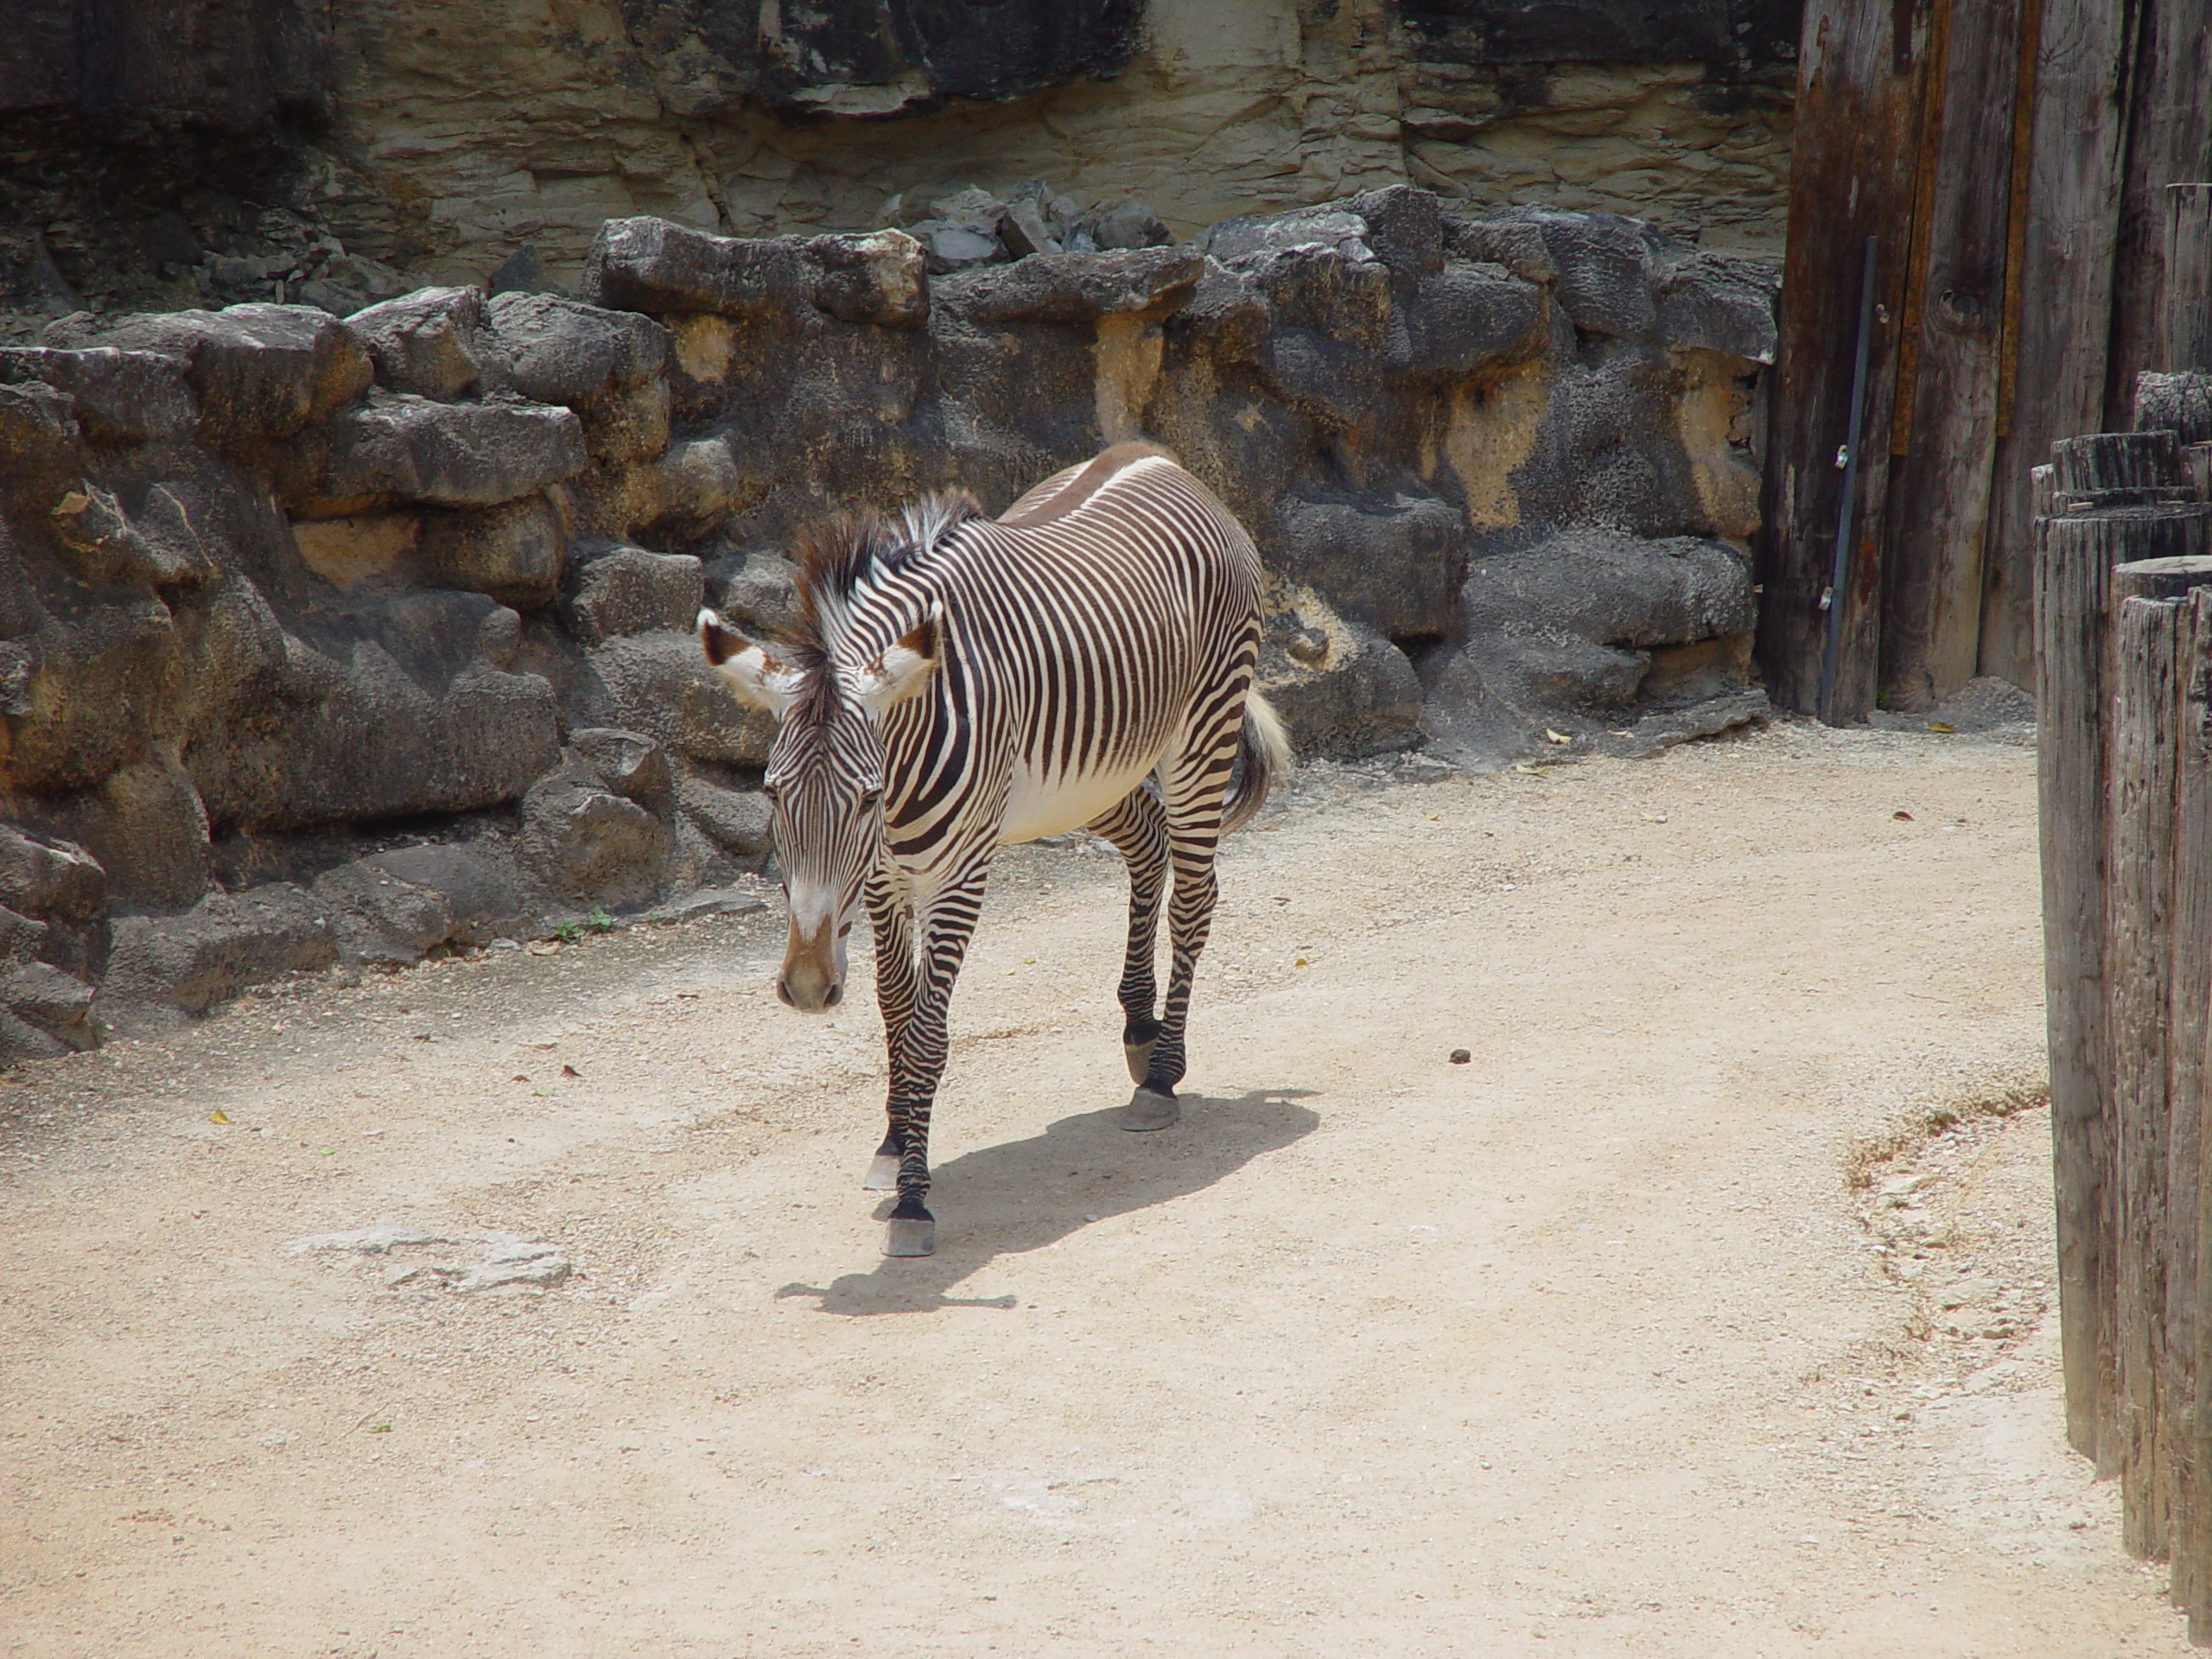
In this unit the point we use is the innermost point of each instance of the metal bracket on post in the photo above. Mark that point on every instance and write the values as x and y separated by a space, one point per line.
1847 458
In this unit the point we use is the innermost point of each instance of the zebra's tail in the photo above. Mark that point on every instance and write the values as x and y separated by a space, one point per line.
1262 752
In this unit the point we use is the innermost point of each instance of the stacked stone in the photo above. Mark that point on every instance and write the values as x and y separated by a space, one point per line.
275 588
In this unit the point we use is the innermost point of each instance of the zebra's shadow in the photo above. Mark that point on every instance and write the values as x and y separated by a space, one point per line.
1024 1195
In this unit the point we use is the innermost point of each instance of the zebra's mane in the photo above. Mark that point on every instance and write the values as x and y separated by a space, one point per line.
842 561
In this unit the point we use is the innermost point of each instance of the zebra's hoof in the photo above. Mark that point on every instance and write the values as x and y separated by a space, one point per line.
1140 1059
1147 1111
882 1174
903 1237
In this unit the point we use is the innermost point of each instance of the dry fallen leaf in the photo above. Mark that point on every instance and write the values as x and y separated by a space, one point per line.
218 1116
1551 736
519 1077
1940 726
571 1071
1901 814
542 947
1523 765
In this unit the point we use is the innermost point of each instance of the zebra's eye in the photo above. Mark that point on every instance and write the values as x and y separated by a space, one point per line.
770 793
869 798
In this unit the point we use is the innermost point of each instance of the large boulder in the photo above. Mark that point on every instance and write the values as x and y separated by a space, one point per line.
425 342
587 844
120 396
398 447
164 967
1394 563
259 372
623 590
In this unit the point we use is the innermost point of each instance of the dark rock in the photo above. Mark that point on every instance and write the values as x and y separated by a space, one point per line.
396 712
53 880
649 264
381 918
755 591
1604 264
627 590
477 885
1024 232
514 553
259 372
164 967
880 277
21 938
1719 303
1465 318
1515 244
1076 287
1394 563
1405 228
20 1041
522 271
147 538
396 446
425 342
58 1004
563 351
93 693
948 248
120 396
1613 589
591 846
1126 224
629 763
736 821
624 426
1362 697
660 684
44 446
1235 241
29 280
145 827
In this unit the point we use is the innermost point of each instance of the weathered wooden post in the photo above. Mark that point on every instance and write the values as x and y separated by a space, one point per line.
2142 794
2077 552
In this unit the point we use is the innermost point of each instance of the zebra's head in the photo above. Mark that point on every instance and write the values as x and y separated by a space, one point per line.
825 781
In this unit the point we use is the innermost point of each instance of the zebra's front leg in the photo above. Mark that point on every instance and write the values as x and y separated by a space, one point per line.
1138 828
892 918
947 923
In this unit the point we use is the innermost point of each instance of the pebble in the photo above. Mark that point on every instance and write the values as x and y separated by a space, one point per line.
1460 1057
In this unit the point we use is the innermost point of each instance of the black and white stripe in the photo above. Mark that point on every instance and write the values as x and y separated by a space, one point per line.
962 683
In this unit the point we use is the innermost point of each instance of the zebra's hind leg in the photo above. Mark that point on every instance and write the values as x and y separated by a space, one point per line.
1137 827
1192 785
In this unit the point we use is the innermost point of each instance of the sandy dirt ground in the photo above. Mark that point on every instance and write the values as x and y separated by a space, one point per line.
1587 1346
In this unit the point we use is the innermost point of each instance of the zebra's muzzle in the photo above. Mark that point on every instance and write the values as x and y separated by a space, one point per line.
812 979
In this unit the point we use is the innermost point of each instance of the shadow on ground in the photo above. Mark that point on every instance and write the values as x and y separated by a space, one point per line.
1024 1195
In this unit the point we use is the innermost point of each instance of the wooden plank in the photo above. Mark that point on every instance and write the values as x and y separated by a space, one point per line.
2076 553
1850 179
2193 944
2084 50
2189 1023
2186 342
1945 431
2168 141
2142 660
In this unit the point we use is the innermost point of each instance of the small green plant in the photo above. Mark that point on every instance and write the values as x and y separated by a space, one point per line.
568 932
599 921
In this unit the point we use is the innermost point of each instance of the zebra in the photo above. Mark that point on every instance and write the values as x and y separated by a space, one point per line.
957 683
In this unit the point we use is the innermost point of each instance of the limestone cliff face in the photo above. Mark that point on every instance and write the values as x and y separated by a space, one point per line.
138 140
528 123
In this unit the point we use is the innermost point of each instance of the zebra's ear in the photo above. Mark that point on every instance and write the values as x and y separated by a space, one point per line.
903 668
752 672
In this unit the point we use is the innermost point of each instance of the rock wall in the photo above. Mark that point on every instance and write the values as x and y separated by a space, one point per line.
213 151
328 640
